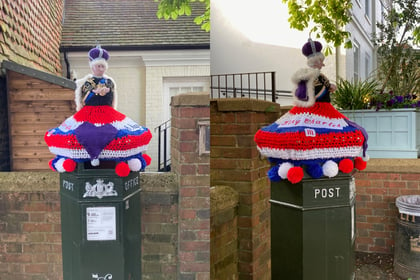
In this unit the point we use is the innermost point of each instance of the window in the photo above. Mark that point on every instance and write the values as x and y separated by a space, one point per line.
356 61
173 86
176 86
367 9
368 65
383 11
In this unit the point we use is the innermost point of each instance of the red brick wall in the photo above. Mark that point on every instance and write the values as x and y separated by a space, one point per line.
194 185
159 201
235 162
30 226
30 230
376 191
30 33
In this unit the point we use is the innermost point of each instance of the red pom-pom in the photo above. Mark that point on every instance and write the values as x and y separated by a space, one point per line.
295 174
147 158
359 163
122 169
50 164
69 165
346 165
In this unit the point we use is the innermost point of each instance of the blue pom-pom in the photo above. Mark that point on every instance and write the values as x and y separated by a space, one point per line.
315 171
143 163
273 174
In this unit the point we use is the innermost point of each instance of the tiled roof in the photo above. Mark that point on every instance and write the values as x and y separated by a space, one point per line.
129 24
30 33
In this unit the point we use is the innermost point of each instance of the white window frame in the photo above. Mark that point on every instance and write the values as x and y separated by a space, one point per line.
180 82
356 61
368 10
368 65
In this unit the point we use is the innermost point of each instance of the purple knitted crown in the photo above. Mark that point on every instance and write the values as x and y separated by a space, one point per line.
311 48
98 53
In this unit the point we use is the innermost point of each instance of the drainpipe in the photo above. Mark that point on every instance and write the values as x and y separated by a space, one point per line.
66 60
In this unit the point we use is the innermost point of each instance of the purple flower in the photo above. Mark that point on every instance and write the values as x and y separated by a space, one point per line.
399 99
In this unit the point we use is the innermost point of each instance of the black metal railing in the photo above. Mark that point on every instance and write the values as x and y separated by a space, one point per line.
256 85
164 134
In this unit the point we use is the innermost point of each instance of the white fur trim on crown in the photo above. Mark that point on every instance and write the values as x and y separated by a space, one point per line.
78 92
309 75
98 61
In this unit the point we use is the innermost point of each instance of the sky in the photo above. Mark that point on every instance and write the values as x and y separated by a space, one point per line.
248 16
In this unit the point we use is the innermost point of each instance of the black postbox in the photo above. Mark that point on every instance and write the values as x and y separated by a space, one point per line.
100 222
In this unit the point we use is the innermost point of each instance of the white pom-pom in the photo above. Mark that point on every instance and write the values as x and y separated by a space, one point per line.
59 165
134 164
366 157
330 169
284 168
94 162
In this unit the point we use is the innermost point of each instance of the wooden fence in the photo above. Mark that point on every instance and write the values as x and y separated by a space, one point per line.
37 101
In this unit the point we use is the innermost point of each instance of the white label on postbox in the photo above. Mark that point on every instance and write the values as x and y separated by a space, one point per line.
333 192
101 223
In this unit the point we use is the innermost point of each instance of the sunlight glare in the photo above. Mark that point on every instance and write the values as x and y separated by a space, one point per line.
263 21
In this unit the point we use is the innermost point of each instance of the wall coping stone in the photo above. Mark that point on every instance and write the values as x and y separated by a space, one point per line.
191 99
393 165
221 198
49 181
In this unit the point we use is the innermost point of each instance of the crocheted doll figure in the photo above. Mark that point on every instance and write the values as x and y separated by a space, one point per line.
97 131
313 136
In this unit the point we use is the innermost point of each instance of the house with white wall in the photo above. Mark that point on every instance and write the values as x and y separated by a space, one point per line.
361 61
150 59
260 39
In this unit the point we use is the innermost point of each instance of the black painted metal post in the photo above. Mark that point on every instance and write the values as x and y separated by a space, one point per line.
100 221
313 229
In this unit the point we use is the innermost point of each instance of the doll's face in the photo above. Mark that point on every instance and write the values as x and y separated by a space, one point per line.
319 64
98 70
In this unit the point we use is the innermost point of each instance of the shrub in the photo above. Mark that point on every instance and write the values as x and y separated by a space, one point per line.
354 95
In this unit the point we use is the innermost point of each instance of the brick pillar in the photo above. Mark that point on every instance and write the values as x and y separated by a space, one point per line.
189 113
236 162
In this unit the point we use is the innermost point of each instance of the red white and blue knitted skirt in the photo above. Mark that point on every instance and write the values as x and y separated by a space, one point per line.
98 133
318 138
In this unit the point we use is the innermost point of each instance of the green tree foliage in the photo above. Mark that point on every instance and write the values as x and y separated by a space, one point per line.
399 62
172 9
329 17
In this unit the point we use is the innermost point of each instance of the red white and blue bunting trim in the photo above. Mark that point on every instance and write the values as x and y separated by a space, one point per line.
98 133
318 138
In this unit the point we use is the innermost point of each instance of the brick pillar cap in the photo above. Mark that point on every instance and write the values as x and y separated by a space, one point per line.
222 197
191 99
